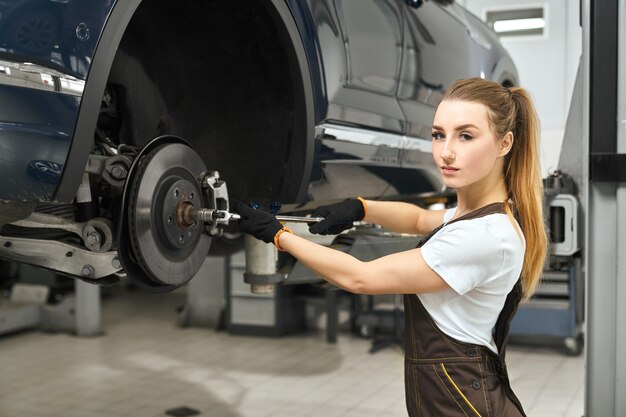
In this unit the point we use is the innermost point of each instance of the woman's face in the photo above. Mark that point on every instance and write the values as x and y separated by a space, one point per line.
465 148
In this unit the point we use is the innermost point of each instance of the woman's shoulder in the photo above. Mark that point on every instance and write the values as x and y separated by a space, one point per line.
501 227
492 229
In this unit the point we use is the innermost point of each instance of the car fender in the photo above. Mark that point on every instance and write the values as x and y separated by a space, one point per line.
102 60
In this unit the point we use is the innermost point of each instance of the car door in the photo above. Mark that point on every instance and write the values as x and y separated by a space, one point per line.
359 141
438 49
372 36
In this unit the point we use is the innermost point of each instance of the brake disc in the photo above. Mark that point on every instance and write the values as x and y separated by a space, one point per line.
168 249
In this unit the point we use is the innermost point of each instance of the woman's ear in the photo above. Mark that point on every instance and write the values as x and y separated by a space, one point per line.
506 144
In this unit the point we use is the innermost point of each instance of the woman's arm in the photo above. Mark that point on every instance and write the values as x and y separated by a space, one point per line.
402 217
400 273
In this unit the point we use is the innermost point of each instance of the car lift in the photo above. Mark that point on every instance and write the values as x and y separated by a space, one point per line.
603 190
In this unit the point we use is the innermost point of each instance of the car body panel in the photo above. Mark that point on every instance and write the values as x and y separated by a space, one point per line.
46 48
59 34
35 125
363 92
386 65
306 14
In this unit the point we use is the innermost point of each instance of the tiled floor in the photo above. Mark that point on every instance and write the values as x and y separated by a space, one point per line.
145 365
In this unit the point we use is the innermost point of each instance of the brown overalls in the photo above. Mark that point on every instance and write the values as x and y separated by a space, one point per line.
446 377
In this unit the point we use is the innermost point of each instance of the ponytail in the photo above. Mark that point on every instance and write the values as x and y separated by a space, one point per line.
512 110
524 184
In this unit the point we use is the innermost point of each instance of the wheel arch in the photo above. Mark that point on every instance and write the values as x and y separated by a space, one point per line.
117 25
505 71
92 96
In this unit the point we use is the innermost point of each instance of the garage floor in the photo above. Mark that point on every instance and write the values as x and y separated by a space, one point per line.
145 365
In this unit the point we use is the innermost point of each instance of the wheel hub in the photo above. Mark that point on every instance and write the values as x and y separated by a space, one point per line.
178 231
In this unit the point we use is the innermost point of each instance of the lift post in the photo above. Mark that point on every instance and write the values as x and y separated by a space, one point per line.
604 178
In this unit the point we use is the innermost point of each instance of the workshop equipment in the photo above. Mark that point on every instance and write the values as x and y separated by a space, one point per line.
556 309
280 312
274 313
41 299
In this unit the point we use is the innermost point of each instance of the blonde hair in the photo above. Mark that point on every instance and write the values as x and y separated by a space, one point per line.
512 110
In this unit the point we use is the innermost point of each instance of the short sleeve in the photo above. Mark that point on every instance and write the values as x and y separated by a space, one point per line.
465 255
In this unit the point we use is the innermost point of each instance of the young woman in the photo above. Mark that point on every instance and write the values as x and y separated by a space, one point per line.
463 282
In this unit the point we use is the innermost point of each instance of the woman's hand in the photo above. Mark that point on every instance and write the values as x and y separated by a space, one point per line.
257 222
338 217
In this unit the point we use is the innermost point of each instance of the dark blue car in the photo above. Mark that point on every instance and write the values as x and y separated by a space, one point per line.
115 117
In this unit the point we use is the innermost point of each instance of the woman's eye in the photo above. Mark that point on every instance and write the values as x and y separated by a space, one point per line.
465 136
438 136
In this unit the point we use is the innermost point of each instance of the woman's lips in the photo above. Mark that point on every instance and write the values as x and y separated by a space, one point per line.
449 169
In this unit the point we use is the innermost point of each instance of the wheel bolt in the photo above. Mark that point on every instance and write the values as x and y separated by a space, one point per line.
87 271
119 172
93 238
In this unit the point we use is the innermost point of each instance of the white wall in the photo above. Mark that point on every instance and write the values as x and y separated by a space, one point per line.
546 64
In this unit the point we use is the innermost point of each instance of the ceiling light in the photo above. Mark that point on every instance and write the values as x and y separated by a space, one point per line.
518 25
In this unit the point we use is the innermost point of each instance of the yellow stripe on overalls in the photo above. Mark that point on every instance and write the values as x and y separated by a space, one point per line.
445 371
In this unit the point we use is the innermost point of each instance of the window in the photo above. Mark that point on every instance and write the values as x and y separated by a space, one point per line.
518 22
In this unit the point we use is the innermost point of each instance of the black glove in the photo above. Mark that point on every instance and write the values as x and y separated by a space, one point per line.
337 217
257 222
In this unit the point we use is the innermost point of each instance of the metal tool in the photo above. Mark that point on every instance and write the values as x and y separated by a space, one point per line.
211 215
299 219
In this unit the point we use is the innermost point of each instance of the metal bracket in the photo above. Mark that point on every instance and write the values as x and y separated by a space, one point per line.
97 233
113 169
60 257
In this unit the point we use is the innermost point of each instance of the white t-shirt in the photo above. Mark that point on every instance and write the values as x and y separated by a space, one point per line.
481 260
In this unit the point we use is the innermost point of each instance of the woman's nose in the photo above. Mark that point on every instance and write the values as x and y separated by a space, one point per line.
447 152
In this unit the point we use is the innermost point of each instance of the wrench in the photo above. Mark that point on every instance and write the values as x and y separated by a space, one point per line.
223 216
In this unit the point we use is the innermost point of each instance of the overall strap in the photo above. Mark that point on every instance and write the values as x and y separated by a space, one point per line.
501 333
492 208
